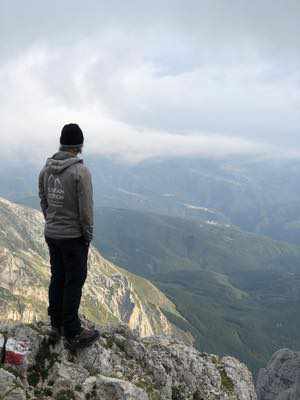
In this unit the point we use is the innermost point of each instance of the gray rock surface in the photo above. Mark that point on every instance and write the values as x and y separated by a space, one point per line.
107 388
123 366
280 380
11 387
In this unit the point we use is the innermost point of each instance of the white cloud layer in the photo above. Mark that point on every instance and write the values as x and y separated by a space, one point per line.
165 85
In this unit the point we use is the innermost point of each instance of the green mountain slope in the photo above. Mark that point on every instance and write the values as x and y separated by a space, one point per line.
240 292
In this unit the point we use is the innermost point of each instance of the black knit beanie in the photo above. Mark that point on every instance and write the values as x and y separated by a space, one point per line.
71 136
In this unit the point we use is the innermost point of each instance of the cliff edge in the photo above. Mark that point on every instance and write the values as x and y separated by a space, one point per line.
120 366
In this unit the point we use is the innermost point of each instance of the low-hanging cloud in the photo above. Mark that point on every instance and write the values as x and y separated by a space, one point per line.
39 102
165 86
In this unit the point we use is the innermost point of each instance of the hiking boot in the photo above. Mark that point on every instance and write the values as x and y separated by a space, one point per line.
85 338
54 335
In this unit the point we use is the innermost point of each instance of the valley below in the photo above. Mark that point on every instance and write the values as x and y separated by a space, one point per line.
218 238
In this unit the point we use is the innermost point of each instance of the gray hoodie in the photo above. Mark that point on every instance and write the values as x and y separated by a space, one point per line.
66 194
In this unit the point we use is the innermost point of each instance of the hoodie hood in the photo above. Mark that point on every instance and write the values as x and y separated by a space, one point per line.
60 161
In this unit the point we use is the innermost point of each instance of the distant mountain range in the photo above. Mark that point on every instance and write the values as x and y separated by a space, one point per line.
258 195
111 294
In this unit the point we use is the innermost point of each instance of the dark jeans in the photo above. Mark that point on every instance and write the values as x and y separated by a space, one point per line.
68 259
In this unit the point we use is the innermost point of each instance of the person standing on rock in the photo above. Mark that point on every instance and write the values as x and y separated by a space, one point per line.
66 198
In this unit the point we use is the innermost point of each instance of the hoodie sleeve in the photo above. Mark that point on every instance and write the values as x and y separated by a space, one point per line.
42 195
85 203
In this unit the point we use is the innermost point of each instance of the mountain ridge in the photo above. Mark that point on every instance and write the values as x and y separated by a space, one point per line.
258 195
110 293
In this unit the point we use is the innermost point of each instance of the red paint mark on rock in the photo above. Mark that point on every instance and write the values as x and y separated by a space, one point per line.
16 351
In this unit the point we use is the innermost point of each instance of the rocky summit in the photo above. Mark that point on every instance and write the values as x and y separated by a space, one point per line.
120 366
280 380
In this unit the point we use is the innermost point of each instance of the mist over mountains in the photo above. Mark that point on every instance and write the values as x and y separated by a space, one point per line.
258 195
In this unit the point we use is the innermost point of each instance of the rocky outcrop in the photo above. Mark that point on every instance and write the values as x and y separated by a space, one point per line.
120 366
111 294
280 380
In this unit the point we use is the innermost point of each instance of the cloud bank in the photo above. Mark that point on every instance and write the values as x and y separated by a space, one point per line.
197 78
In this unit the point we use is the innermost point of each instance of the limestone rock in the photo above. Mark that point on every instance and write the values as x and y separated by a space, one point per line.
10 387
107 388
280 380
125 366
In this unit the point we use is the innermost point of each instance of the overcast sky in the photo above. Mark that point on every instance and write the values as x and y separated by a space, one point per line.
151 78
